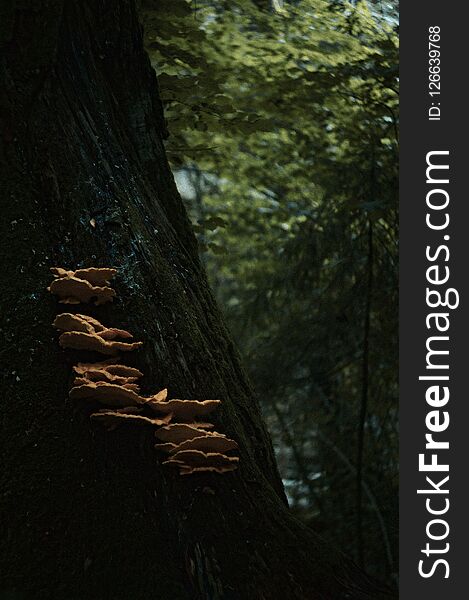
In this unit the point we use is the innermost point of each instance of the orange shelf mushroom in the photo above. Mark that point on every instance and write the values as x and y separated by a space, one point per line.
190 445
187 410
207 443
112 394
79 381
110 366
196 461
109 394
112 373
86 324
94 275
82 285
81 332
180 432
75 340
112 419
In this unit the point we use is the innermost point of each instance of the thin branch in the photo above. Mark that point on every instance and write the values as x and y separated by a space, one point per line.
364 397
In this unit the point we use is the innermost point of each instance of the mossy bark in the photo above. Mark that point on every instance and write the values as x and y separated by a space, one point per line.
89 514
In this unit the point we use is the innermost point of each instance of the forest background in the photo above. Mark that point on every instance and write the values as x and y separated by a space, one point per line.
283 138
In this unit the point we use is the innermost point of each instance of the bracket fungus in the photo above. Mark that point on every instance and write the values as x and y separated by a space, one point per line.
81 332
82 285
128 410
192 446
108 370
109 394
207 443
194 450
79 381
194 461
76 340
93 275
112 394
112 418
154 401
187 410
101 375
180 432
86 324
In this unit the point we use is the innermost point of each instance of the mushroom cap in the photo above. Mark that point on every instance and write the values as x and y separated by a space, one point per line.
71 322
60 272
131 386
109 394
187 410
98 375
154 401
86 324
184 470
78 340
124 371
72 290
94 275
166 447
189 460
112 394
110 366
106 371
180 432
112 333
107 333
112 419
207 443
128 410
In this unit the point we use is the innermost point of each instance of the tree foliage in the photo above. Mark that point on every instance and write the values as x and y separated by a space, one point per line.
283 121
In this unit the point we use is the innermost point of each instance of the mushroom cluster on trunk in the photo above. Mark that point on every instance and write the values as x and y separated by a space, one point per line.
190 443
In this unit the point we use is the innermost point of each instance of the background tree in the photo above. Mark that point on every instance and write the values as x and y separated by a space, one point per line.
85 513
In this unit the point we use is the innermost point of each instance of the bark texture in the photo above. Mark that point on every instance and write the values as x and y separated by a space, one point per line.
89 514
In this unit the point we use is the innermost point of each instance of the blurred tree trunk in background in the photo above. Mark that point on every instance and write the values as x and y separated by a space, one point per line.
89 514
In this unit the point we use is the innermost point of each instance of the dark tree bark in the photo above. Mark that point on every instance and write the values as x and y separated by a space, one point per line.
89 514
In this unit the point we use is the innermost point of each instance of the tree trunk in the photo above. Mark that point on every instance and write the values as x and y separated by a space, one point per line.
90 514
